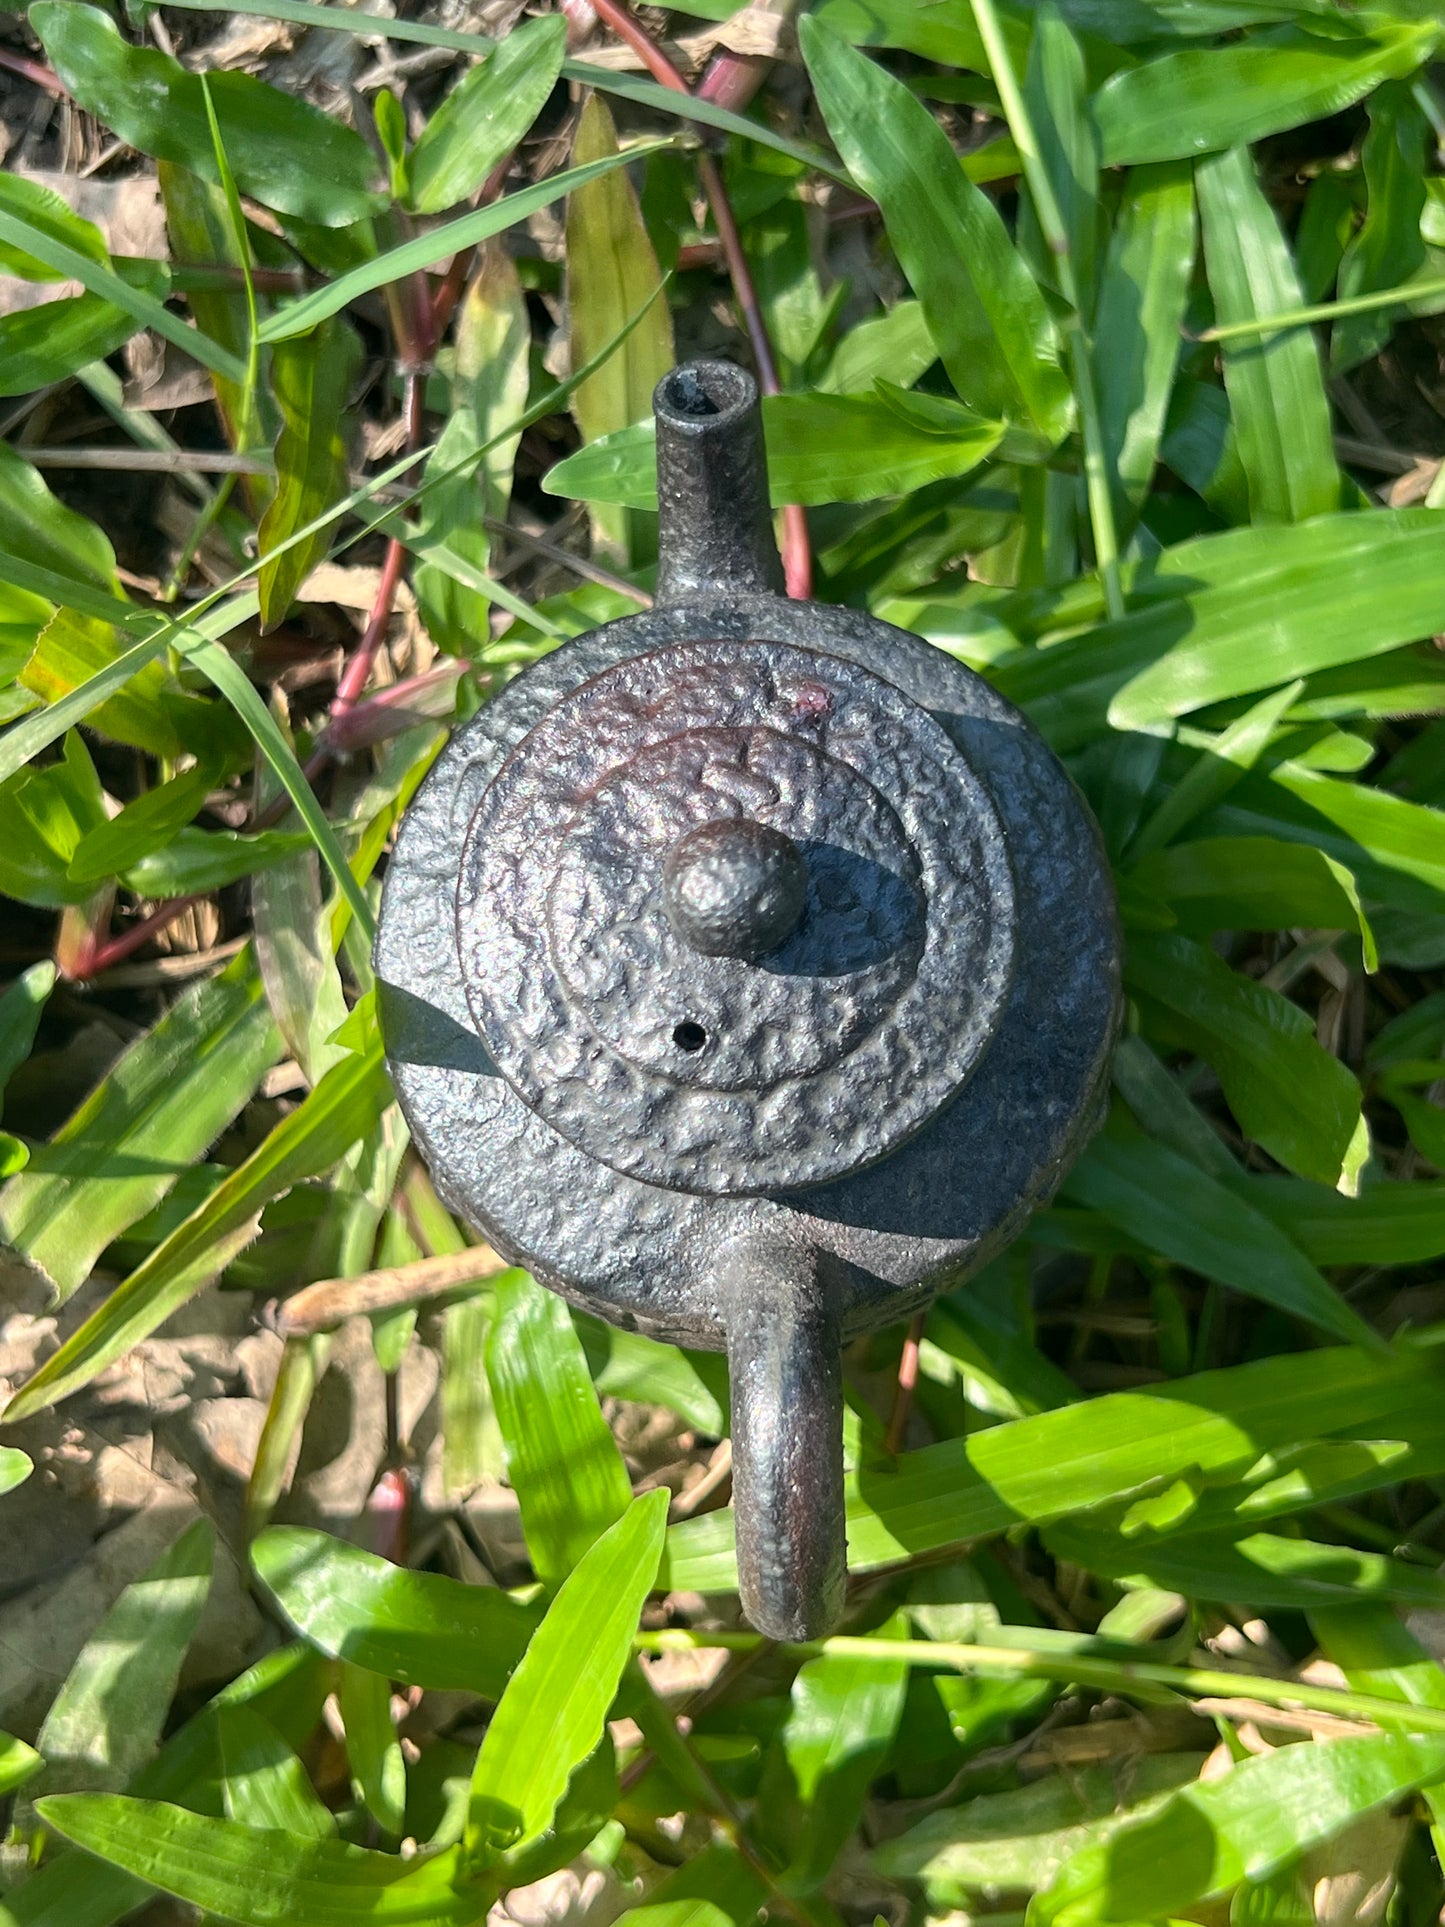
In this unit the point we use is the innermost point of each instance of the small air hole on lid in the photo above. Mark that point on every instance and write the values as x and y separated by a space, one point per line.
689 1037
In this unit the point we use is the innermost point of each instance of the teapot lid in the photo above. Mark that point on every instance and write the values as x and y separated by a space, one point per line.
736 917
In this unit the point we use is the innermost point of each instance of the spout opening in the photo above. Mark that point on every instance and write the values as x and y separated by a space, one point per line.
715 526
704 395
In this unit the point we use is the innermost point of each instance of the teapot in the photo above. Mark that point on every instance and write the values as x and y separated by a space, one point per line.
748 972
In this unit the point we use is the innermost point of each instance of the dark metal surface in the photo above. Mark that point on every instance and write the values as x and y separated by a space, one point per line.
843 1142
816 1059
734 887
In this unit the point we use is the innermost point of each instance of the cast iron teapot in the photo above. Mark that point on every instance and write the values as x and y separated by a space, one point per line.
749 973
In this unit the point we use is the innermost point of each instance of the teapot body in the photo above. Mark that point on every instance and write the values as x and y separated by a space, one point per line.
759 1152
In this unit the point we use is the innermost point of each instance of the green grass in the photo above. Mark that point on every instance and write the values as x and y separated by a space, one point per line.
1107 361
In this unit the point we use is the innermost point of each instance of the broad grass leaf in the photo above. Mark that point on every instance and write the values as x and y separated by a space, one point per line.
587 1807
39 527
715 1888
105 1722
126 285
843 1712
779 247
1173 1207
311 377
1414 1033
1017 1841
222 669
196 861
1228 615
611 272
291 931
984 310
489 392
1261 1815
260 1877
1424 1119
998 1366
1254 883
1234 751
1293 1479
1199 445
471 1441
1143 287
73 648
57 339
485 115
1387 1224
552 1714
373 1751
1055 92
147 823
895 344
202 234
1406 682
1055 1464
41 207
948 35
1379 1654
316 1135
627 1365
439 244
416 1627
1182 104
283 152
44 815
15 1468
1165 1111
1388 248
1275 383
159 1108
813 444
1324 230
18 1762
263 1783
1301 1104
1261 1569
1395 849
285 1689
562 1461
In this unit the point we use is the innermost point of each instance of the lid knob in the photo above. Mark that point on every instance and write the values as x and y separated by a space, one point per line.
734 888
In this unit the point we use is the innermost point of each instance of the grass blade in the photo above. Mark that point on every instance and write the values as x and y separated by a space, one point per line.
438 244
1276 389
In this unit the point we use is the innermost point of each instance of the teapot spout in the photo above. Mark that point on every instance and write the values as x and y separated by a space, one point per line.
785 1365
715 528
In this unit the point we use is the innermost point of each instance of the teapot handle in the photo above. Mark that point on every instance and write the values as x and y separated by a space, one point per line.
785 1365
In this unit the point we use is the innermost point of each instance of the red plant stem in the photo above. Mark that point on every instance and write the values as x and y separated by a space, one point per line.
907 1379
33 71
358 669
797 553
449 293
731 78
116 949
641 43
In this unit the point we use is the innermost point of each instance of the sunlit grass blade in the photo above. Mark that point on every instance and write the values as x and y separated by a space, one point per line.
70 265
628 86
439 244
214 617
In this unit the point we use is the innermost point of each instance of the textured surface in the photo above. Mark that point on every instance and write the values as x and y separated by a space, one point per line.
735 888
924 1217
722 1074
932 1037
